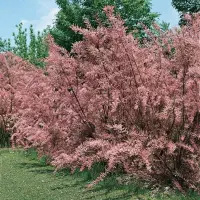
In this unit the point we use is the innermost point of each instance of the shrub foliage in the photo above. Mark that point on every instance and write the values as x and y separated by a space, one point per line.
16 76
115 102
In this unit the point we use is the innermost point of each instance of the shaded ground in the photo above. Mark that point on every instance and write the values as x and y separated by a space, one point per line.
23 178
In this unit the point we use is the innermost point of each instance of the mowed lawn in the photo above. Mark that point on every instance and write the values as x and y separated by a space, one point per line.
25 178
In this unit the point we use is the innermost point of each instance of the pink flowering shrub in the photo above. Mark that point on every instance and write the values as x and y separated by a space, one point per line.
16 95
113 101
6 101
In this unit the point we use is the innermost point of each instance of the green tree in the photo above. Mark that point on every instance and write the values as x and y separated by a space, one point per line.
29 46
32 46
191 6
76 11
37 48
186 6
5 45
164 26
20 40
41 46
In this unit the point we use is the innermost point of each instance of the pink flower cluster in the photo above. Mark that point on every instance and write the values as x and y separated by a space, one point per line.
115 100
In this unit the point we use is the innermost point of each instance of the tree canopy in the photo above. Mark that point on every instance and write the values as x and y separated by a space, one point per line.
27 44
191 6
186 6
75 12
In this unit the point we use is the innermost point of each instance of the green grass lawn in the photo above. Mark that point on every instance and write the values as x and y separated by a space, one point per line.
22 177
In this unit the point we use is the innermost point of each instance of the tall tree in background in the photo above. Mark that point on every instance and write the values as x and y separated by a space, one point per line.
20 40
28 45
5 45
75 12
37 49
186 6
32 48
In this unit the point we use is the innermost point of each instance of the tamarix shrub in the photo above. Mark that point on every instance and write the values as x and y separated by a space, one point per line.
6 101
19 88
115 100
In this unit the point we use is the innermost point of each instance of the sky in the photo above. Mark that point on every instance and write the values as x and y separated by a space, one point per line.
168 13
41 13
